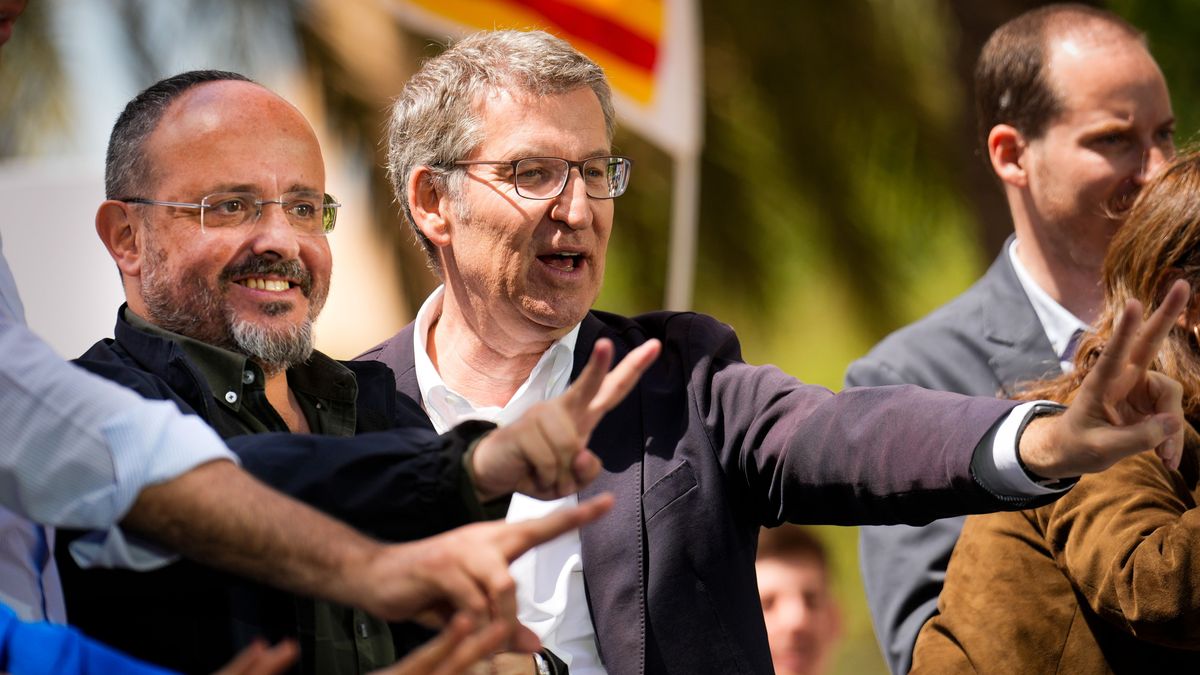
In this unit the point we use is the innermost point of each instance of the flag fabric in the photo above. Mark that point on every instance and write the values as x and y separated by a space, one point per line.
649 49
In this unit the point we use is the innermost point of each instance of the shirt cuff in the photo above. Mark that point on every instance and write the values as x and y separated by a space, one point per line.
1001 471
156 444
150 444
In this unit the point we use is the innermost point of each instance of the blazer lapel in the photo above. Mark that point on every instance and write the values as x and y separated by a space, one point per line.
399 352
613 547
1023 352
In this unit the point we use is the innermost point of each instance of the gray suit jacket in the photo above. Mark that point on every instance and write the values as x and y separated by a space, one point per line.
985 342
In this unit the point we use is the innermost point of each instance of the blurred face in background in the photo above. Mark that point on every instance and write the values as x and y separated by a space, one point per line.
803 621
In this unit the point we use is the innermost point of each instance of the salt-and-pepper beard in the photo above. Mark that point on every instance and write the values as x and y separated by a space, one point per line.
191 306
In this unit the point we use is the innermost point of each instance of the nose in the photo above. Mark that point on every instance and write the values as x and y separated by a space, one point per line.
1153 159
795 617
572 206
273 233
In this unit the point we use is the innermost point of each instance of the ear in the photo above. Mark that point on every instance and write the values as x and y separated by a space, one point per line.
1006 149
429 207
120 230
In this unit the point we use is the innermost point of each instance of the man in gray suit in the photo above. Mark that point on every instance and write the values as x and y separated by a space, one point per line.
1074 115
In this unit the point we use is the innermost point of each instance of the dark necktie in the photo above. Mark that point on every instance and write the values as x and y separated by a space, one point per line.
1072 344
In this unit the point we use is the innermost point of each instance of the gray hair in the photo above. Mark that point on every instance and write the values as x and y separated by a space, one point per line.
127 170
434 121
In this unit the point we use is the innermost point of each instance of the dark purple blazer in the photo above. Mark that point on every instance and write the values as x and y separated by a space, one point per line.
705 450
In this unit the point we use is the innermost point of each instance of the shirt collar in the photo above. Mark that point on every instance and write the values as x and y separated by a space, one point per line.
1057 321
446 408
228 373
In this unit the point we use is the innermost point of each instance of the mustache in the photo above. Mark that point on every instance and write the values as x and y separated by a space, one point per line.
259 265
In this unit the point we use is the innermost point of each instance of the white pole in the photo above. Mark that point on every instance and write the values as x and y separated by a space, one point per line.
685 213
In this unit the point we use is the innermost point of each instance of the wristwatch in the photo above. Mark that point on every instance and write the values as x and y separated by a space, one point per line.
1042 409
540 663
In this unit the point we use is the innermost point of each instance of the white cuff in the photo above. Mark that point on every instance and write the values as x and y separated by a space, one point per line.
1004 473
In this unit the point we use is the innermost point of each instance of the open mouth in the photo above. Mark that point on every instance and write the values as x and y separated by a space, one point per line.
566 261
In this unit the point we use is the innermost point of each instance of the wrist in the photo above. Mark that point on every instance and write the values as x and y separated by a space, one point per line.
356 580
483 492
1036 443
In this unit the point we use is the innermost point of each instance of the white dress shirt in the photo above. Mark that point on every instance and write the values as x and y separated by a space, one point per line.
75 450
549 578
550 592
1057 321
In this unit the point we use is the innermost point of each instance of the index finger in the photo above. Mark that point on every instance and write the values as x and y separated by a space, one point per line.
514 539
1118 349
1145 346
584 388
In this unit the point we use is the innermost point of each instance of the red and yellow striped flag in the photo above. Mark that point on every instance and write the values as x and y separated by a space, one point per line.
648 49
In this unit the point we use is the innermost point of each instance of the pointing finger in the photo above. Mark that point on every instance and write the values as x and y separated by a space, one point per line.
517 538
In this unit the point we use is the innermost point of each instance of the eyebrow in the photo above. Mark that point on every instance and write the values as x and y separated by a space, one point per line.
246 187
521 153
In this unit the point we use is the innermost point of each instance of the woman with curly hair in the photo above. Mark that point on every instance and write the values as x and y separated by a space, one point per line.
1106 579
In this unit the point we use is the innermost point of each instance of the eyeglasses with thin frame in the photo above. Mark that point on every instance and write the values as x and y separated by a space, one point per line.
546 177
311 213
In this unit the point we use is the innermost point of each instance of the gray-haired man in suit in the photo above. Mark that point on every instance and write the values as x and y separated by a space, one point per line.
1074 115
500 151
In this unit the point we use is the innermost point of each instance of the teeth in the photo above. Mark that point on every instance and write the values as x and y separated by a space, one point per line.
266 284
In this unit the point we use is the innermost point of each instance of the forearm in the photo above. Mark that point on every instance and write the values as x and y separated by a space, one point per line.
220 515
376 481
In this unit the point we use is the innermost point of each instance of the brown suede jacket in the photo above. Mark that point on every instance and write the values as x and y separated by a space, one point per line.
1106 579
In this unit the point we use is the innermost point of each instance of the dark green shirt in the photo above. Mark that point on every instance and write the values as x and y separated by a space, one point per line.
334 639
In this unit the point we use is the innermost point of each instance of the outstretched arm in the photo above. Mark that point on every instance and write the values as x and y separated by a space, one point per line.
220 515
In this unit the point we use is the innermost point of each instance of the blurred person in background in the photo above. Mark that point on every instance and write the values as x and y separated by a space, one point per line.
804 622
1105 579
1074 117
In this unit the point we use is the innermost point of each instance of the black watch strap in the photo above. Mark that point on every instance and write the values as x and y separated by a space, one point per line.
1044 409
